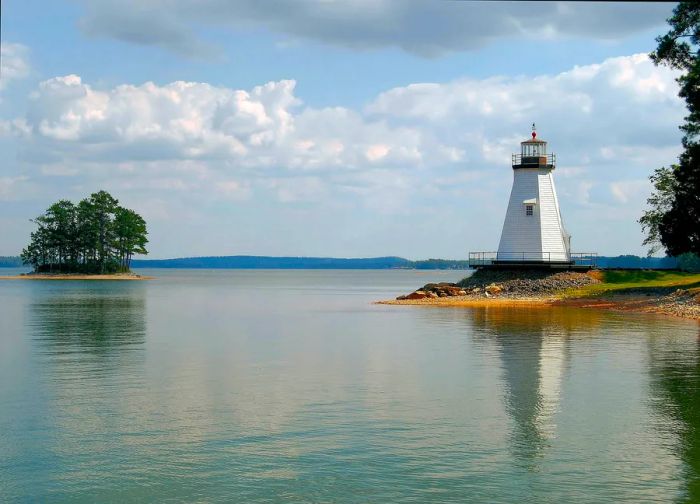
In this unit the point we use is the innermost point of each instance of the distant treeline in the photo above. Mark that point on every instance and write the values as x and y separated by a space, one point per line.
264 262
633 261
10 262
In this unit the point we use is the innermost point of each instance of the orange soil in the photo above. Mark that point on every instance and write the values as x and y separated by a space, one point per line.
619 302
472 302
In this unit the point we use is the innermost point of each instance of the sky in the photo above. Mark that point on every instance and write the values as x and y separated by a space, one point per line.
349 128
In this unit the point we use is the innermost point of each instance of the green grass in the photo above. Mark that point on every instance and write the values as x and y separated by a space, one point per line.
637 281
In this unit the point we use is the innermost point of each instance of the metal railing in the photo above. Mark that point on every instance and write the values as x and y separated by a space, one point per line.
534 161
487 258
584 258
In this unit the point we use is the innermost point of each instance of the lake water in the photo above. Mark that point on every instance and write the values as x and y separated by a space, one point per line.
272 386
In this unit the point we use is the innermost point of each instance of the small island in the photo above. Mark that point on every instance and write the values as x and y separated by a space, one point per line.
92 240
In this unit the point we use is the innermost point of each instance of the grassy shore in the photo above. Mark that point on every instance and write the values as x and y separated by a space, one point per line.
649 291
76 276
636 281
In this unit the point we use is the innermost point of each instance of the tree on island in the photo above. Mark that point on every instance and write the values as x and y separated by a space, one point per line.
673 221
94 236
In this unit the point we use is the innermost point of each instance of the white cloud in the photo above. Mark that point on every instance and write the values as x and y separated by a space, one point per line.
625 190
258 129
587 93
377 152
413 151
233 189
422 27
300 189
13 63
12 188
582 193
598 114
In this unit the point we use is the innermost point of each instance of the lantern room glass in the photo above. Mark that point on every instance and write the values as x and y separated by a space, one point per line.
534 149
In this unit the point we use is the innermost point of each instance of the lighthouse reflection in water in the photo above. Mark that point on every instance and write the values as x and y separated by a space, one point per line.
533 348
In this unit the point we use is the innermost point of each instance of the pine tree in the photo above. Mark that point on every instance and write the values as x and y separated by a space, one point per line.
676 219
94 236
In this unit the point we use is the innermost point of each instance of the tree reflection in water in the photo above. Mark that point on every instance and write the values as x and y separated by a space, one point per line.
82 326
89 341
675 393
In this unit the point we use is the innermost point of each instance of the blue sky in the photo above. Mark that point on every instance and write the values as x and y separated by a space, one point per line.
331 128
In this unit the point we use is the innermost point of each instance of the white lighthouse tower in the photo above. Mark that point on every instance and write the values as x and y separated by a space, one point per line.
533 231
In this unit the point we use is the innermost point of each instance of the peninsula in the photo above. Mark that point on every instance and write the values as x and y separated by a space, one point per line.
535 267
649 291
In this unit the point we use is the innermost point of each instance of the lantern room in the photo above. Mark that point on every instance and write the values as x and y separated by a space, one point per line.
533 154
534 147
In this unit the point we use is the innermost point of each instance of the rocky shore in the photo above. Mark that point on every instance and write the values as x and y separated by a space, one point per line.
538 288
682 303
506 284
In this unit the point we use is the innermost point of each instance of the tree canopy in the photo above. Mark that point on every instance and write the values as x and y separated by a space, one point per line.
674 218
94 236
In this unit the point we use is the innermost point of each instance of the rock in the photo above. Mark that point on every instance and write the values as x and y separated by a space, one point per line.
401 298
494 289
516 283
526 282
446 288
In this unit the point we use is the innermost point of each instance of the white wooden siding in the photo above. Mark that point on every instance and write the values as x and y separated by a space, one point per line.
540 236
550 222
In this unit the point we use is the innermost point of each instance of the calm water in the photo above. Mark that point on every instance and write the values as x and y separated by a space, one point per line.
269 386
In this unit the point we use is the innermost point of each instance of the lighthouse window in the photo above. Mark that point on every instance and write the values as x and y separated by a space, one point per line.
528 209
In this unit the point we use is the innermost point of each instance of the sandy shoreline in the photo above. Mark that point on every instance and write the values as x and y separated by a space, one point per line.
663 305
70 276
473 302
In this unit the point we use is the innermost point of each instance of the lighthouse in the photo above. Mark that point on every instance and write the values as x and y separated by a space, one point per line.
533 232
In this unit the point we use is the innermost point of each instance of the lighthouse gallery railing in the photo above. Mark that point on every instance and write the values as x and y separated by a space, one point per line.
543 160
487 258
